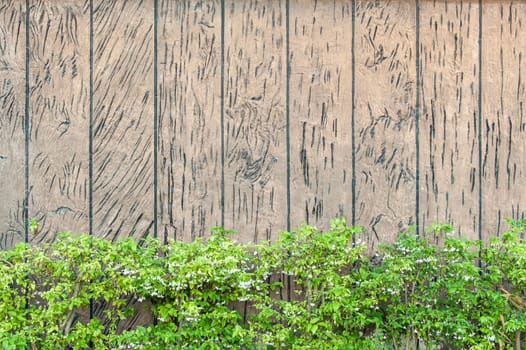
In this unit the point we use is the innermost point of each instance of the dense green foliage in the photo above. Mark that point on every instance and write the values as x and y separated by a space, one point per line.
308 290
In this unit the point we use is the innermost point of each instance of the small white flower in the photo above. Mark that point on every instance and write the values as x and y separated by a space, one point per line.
245 284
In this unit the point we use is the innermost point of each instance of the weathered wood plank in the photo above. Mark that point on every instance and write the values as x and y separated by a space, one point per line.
12 106
449 114
321 106
59 116
385 118
255 118
123 118
189 122
504 119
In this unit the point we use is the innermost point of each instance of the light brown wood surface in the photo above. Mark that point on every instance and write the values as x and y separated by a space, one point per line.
320 111
503 114
255 118
254 107
12 105
189 163
59 117
123 119
449 115
385 118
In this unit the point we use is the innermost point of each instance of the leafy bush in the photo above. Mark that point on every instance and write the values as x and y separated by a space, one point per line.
308 290
46 288
506 258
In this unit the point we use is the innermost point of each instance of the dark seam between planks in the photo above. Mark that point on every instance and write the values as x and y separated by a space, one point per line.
417 121
480 123
222 113
287 104
287 113
353 107
155 118
26 144
26 133
90 132
90 137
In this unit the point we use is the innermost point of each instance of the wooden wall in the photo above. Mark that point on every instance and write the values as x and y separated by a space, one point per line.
163 117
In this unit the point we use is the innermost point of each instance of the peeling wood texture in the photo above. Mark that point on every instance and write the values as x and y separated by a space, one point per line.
320 107
123 118
255 120
243 113
59 117
449 115
12 76
189 124
504 115
385 118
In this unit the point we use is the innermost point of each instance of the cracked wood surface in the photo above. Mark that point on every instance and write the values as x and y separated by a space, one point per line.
449 115
59 117
190 102
122 118
12 76
255 119
385 118
224 96
504 116
321 105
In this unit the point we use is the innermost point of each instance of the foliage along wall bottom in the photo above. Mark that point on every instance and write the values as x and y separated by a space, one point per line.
308 290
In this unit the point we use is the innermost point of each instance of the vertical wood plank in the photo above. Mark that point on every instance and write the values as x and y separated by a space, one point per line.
385 102
321 106
504 119
59 114
449 114
189 123
123 118
12 92
255 118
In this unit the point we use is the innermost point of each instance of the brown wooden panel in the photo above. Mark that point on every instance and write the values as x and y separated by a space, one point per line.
189 118
385 123
123 118
449 113
504 119
255 118
59 117
321 107
12 106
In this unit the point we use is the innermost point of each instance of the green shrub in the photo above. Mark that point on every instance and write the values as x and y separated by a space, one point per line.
307 290
46 288
506 258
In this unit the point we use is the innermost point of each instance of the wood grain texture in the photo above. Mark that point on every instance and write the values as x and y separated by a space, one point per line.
321 107
385 118
123 118
59 117
503 111
189 118
255 118
449 114
12 97
190 128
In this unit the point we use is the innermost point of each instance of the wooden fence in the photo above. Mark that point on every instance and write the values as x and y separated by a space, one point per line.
163 117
